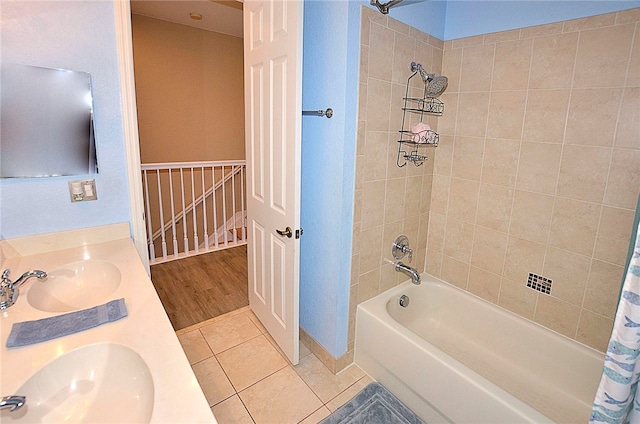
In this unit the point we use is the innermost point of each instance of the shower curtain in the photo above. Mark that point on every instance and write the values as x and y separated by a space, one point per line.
615 400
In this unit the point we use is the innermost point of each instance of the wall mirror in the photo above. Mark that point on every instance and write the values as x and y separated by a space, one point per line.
46 122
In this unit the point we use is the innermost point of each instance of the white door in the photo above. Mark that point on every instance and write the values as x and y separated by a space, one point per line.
273 109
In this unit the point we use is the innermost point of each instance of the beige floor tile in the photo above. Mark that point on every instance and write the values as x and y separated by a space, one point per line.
275 345
323 382
212 320
195 346
281 398
349 393
317 416
256 321
213 381
231 411
304 351
231 331
250 362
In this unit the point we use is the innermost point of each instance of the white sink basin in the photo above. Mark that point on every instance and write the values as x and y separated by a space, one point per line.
75 286
99 383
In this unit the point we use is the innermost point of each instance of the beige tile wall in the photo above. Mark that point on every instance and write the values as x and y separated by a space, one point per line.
389 200
538 169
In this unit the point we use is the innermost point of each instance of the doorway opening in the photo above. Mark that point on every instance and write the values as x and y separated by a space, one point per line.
190 98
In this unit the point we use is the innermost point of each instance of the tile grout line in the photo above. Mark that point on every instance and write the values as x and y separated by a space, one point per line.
289 365
198 328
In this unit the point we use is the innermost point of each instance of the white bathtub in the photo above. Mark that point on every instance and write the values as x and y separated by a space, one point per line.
453 357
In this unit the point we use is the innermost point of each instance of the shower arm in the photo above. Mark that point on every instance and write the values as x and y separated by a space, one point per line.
426 77
384 7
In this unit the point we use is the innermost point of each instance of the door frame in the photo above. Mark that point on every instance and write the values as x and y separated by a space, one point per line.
122 9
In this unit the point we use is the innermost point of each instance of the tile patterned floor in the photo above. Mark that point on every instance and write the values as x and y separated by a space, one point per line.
246 378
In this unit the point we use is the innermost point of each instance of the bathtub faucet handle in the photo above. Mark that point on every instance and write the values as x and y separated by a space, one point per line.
401 248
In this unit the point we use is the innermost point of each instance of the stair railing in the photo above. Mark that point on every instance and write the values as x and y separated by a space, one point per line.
201 204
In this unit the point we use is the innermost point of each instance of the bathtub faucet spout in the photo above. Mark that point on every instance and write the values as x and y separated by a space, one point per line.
415 275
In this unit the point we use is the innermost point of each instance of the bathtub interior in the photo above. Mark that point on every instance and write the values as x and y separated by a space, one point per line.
554 374
434 385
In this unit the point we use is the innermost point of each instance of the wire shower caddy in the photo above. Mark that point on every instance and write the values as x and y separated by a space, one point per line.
408 148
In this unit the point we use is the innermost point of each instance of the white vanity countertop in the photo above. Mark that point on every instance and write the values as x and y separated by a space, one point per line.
146 330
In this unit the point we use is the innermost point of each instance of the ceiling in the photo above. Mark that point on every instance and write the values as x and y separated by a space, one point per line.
217 15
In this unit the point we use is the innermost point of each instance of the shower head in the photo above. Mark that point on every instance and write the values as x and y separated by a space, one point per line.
435 85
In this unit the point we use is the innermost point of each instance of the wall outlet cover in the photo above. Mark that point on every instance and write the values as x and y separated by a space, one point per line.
83 190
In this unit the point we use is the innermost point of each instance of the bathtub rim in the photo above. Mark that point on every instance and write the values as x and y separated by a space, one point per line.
430 279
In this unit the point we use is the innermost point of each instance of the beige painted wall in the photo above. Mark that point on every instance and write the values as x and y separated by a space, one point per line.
189 91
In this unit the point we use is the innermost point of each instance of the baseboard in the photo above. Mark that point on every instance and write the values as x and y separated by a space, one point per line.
335 365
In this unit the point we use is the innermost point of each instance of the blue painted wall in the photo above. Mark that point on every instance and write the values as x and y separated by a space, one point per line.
78 36
330 79
453 19
466 18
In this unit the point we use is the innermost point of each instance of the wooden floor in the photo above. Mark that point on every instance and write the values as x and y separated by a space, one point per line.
201 287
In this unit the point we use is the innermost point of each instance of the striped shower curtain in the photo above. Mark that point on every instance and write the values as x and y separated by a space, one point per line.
616 400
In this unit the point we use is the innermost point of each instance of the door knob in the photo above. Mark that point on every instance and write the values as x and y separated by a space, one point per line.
287 232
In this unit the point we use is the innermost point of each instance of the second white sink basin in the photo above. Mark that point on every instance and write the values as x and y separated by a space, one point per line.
100 383
75 286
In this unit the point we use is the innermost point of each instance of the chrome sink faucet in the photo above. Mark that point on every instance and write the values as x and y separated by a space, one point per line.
13 402
9 289
415 275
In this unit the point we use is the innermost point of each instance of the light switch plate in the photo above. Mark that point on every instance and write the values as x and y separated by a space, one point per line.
83 190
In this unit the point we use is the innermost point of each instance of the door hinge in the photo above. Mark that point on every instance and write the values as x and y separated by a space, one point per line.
299 232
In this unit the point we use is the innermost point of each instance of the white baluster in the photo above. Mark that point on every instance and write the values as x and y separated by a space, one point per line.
215 210
224 208
193 212
184 215
233 204
162 228
174 235
152 250
244 213
204 213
